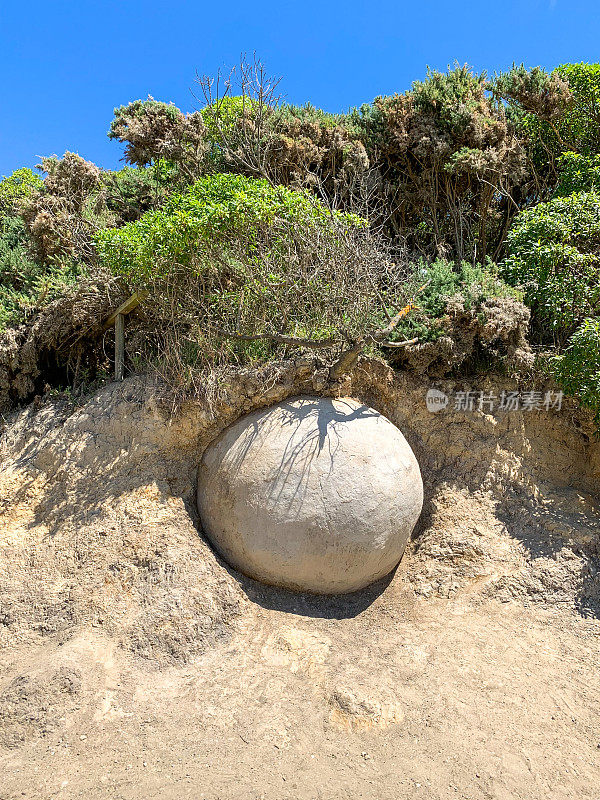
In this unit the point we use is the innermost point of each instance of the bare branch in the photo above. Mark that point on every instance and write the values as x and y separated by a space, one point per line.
244 144
405 343
348 359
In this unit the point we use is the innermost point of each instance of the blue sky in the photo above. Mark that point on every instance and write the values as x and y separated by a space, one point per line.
65 65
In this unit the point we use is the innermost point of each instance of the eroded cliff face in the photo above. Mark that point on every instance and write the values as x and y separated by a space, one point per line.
99 524
131 656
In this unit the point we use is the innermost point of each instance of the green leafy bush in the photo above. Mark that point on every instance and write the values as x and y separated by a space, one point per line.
31 213
24 283
239 269
579 126
18 187
223 212
223 115
577 370
443 281
577 173
131 191
554 255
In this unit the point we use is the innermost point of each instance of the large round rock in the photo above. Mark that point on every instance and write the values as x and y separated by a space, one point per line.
312 494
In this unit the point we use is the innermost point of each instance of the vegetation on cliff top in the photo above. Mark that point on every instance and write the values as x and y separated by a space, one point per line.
260 226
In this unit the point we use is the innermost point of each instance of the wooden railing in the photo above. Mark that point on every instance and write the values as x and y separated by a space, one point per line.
117 318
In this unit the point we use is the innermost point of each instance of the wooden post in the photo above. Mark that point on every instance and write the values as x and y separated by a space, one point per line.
117 318
119 346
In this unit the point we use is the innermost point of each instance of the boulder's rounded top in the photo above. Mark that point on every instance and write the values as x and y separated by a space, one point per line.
314 493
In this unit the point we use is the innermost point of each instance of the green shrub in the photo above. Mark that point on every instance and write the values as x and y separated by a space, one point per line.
24 283
18 187
579 126
577 173
238 256
554 255
222 116
219 213
577 370
443 280
132 191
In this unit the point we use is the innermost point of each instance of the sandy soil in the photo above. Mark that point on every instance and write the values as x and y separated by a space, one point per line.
134 664
408 698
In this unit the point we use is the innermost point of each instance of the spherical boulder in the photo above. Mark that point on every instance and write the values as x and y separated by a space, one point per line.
312 494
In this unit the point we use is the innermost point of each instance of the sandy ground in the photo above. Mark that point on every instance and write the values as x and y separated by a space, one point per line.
404 698
136 665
